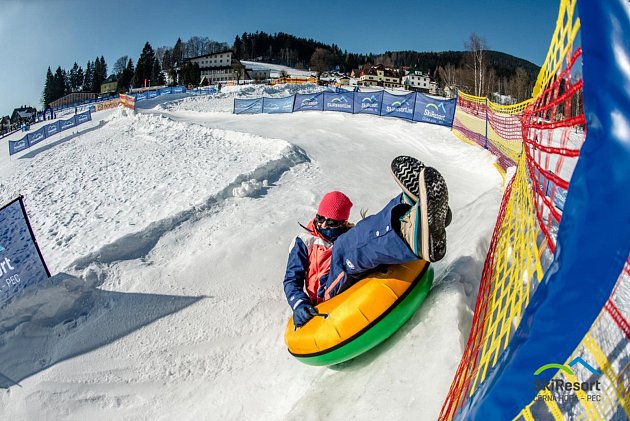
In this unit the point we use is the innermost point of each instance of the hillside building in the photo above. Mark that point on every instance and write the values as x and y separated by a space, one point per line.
380 75
222 66
420 82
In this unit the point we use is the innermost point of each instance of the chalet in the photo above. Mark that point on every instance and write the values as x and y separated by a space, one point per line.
5 124
420 82
23 114
380 75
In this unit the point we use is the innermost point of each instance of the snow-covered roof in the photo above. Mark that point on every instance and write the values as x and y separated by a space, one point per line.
277 68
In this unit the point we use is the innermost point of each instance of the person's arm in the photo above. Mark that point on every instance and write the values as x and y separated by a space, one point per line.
294 277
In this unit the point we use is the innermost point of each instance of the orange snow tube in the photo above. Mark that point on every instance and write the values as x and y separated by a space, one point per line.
362 316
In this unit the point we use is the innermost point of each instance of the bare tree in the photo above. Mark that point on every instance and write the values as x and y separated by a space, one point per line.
321 60
448 75
520 84
120 65
477 47
239 70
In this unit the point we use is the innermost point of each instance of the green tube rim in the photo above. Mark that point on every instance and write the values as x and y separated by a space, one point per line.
380 329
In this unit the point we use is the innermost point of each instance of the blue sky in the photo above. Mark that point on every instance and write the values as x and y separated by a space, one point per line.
35 34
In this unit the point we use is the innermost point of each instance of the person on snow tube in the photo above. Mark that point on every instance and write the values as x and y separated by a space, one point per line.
410 227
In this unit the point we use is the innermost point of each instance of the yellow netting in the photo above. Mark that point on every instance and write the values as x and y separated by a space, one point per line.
491 125
513 266
516 261
567 27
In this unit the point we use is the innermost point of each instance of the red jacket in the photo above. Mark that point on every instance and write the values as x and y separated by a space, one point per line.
309 261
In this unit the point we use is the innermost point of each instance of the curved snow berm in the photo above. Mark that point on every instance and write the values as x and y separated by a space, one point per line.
122 186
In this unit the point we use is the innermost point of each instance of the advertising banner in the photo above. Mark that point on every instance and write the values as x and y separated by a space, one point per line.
16 146
67 124
278 105
368 102
21 263
152 94
400 106
305 102
248 106
83 117
165 91
141 97
341 101
178 90
36 136
52 129
434 111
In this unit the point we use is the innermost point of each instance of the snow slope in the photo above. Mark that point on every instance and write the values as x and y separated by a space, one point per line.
169 231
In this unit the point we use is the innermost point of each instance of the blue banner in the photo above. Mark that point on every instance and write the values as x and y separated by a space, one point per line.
36 136
434 111
309 102
21 263
248 106
152 94
178 90
141 97
278 105
52 129
400 106
16 146
368 102
83 117
341 101
67 124
165 91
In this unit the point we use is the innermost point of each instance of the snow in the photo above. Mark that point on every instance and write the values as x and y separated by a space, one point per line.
276 69
168 231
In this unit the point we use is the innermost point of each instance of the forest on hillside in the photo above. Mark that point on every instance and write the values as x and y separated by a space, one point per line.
477 70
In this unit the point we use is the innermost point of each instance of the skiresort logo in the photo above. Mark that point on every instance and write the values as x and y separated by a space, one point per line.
400 106
339 102
340 99
310 102
67 124
37 137
557 387
371 102
432 111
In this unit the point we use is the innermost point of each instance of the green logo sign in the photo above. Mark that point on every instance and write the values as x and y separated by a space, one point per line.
559 387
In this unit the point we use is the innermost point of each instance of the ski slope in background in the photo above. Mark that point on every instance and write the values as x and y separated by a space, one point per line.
169 232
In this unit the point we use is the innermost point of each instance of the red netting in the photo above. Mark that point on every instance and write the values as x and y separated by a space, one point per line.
554 129
508 126
460 387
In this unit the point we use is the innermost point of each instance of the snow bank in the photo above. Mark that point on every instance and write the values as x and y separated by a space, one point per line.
134 171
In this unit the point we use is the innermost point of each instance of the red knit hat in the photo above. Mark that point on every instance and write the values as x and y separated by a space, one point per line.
335 205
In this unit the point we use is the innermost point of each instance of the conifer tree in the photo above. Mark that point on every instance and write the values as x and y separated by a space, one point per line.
177 56
49 93
144 66
157 78
88 77
59 84
125 77
73 77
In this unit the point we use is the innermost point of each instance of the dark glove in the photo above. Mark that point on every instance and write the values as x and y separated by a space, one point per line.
303 314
